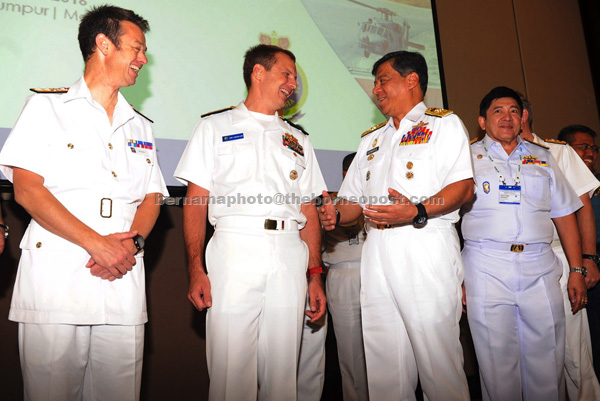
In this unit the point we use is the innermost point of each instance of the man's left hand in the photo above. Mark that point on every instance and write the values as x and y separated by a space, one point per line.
577 292
401 211
316 297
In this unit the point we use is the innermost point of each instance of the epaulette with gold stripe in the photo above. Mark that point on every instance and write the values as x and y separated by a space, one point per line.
473 141
50 90
142 115
550 140
217 111
437 112
375 128
536 144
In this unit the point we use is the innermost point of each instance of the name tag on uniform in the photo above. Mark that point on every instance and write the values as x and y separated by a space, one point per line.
509 194
234 137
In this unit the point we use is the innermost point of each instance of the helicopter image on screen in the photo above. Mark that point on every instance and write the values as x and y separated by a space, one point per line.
382 35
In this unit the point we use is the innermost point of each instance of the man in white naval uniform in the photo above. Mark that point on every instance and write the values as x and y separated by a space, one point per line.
514 302
411 270
260 175
582 140
582 384
83 164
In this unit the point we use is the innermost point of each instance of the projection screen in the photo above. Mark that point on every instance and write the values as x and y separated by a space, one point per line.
195 53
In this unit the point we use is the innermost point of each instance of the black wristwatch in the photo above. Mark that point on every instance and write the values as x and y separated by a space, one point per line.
139 243
594 258
6 230
581 270
421 218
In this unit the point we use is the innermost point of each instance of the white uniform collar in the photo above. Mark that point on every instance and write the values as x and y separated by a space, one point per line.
80 90
416 113
489 142
413 115
241 113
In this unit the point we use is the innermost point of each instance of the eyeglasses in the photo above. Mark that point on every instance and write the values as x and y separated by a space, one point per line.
585 147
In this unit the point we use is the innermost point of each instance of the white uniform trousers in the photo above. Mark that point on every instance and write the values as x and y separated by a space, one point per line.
582 383
311 364
517 320
62 362
411 305
253 329
343 299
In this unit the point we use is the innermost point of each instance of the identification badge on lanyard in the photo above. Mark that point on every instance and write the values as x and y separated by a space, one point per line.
509 194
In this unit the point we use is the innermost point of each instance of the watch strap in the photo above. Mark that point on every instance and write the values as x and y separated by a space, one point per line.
138 241
421 217
581 270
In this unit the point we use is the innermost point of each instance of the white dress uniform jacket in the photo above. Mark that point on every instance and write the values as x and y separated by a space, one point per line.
67 139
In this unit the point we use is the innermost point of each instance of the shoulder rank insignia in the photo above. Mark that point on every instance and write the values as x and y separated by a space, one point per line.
550 140
437 112
295 125
217 111
375 128
142 115
536 144
50 90
473 141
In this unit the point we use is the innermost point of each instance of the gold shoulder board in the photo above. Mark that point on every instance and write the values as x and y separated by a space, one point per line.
437 112
536 144
473 141
375 128
49 90
142 115
550 140
217 111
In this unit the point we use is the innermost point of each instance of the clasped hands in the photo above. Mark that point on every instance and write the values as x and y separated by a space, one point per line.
400 211
112 256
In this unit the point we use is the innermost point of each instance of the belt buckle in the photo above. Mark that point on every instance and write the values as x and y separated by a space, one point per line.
518 248
270 224
384 226
106 208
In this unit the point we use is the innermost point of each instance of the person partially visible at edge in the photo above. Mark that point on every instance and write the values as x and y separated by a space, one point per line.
583 140
581 380
4 230
83 165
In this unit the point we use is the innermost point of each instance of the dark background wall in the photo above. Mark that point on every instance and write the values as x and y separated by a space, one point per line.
535 46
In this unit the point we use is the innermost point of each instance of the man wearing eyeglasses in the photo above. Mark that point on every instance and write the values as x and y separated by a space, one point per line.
581 381
581 139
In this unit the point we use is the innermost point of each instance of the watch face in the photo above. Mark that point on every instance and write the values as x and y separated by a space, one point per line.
138 240
420 220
